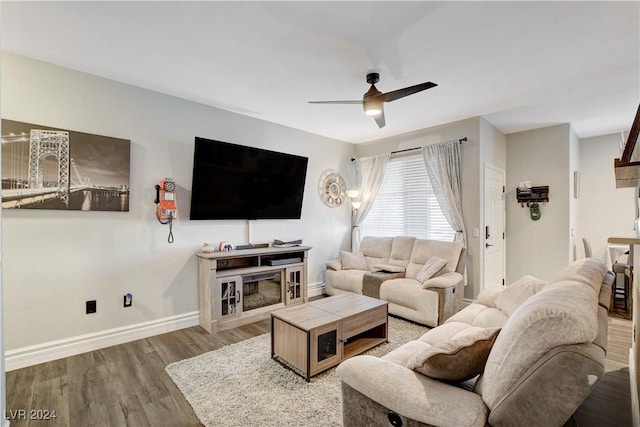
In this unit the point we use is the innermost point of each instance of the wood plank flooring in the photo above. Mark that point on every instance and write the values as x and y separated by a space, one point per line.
609 403
126 385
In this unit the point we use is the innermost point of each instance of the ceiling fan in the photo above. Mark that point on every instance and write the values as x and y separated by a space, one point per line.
372 100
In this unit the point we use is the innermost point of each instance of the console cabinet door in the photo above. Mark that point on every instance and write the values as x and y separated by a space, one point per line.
326 347
229 294
295 285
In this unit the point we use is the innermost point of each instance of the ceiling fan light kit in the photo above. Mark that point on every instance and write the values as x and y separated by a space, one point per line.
373 107
373 99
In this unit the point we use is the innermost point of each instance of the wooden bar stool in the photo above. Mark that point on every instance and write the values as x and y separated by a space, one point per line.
627 272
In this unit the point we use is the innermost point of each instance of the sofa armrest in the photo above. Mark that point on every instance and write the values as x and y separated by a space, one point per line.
334 264
446 280
411 394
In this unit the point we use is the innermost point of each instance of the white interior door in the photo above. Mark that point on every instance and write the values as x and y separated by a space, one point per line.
493 236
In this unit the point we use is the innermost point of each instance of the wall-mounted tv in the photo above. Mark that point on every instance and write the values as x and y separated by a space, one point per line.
233 181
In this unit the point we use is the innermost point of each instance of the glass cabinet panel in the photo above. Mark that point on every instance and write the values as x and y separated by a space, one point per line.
327 345
230 292
294 285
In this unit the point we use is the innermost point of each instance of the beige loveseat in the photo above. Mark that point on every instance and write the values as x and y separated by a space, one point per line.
548 354
389 267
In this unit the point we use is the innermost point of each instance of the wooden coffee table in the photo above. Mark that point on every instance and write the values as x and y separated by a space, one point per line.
313 337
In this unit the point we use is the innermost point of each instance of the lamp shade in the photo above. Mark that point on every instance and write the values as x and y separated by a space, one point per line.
373 107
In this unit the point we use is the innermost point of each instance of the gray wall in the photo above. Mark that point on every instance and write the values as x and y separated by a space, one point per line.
604 210
539 248
54 260
575 242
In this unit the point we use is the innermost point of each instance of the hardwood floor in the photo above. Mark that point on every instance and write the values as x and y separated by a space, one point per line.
126 385
609 403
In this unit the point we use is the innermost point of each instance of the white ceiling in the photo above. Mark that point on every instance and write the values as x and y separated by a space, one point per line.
521 65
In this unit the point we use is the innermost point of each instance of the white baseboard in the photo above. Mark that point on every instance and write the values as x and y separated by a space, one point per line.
40 353
633 380
315 289
46 352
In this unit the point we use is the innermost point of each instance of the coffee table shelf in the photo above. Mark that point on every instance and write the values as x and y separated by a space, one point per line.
316 336
365 341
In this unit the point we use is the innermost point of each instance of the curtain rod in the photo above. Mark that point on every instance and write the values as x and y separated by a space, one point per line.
461 140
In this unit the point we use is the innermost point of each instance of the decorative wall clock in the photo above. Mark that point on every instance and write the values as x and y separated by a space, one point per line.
332 188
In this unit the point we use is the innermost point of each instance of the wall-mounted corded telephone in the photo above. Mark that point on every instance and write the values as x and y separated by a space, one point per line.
166 210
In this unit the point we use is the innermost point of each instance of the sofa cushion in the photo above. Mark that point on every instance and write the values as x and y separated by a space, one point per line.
351 261
403 354
589 271
401 250
425 249
488 295
444 332
479 315
431 268
405 292
517 293
458 359
376 250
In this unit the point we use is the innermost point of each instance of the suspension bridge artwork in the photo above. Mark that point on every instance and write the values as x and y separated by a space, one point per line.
51 168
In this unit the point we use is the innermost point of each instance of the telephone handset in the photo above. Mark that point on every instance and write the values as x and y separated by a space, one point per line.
166 210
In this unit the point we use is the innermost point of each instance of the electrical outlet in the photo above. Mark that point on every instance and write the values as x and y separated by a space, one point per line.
128 300
91 306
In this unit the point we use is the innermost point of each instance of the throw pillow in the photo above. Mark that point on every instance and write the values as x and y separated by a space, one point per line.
351 261
389 268
518 292
488 295
442 280
458 359
431 268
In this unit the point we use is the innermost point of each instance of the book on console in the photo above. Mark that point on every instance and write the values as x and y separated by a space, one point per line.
280 244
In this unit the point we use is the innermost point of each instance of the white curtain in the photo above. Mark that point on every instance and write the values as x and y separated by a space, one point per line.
369 173
443 167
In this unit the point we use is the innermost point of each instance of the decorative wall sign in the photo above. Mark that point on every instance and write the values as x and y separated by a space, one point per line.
50 168
332 188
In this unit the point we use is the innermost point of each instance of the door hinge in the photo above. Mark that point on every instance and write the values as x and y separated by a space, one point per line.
502 282
503 188
502 236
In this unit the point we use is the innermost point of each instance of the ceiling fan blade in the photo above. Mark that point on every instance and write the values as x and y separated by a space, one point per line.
401 93
335 102
380 119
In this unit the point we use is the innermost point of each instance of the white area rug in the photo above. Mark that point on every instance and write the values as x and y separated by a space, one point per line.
240 385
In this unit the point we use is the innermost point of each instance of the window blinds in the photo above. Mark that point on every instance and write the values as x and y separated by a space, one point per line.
406 204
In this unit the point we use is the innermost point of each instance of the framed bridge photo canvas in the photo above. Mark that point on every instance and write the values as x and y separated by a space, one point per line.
51 168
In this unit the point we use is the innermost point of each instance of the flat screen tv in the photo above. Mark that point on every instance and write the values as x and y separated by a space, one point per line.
233 181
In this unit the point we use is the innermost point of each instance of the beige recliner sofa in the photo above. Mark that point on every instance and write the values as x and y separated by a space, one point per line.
388 268
548 354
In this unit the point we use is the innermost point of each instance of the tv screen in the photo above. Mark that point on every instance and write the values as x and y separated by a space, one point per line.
233 181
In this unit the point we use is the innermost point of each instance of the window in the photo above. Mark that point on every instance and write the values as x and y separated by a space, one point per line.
406 204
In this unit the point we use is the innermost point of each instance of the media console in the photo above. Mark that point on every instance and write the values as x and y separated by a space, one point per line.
244 286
